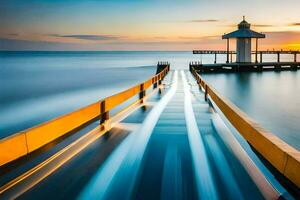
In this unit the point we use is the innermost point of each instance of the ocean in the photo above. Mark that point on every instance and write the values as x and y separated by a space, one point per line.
38 86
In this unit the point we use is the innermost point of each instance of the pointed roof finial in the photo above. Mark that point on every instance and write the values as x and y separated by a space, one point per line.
244 17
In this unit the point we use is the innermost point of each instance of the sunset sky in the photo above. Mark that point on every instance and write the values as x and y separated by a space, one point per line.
143 24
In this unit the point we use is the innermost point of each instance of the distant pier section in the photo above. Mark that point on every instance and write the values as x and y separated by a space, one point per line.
244 53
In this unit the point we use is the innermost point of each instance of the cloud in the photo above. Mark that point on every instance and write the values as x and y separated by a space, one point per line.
253 25
284 34
295 24
16 44
161 37
23 45
263 25
199 38
89 37
202 21
14 34
280 39
277 40
267 25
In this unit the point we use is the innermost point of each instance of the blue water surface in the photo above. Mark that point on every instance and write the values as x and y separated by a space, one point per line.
37 86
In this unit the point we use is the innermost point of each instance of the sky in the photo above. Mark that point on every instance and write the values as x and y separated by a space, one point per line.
143 24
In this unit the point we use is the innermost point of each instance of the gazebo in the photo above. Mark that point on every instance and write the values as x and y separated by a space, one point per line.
243 45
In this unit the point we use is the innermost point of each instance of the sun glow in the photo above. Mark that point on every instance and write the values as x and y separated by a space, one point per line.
293 46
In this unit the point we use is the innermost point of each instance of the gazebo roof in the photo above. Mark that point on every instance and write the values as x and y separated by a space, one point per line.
244 31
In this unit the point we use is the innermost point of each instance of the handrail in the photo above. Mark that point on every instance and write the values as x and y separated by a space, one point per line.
253 52
27 141
282 156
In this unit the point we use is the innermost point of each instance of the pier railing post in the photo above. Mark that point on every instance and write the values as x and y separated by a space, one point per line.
227 61
155 83
142 93
261 57
104 116
256 50
215 58
205 96
159 80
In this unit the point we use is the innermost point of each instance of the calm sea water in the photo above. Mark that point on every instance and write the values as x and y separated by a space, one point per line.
270 98
37 86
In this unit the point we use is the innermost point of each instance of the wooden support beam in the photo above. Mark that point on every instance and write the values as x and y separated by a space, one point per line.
142 93
155 82
206 92
105 116
261 57
227 61
256 50
215 57
278 56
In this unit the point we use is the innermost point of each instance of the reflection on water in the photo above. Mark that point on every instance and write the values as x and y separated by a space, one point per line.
271 98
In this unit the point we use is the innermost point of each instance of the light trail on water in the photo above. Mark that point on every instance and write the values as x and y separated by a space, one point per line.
117 178
203 172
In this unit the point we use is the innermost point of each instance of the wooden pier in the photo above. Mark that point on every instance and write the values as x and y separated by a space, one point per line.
166 128
256 53
245 67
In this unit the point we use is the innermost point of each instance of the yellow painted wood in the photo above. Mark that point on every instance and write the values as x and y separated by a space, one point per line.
282 156
12 148
147 84
51 130
292 168
121 97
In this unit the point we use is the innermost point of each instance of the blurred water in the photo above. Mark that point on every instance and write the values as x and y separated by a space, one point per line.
37 86
270 98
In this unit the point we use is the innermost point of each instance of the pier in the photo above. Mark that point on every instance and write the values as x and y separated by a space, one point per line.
256 53
168 137
244 52
244 67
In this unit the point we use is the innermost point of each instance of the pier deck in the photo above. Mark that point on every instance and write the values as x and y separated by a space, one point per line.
173 143
245 67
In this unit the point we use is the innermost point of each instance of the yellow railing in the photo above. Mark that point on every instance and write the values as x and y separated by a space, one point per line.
25 142
282 156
